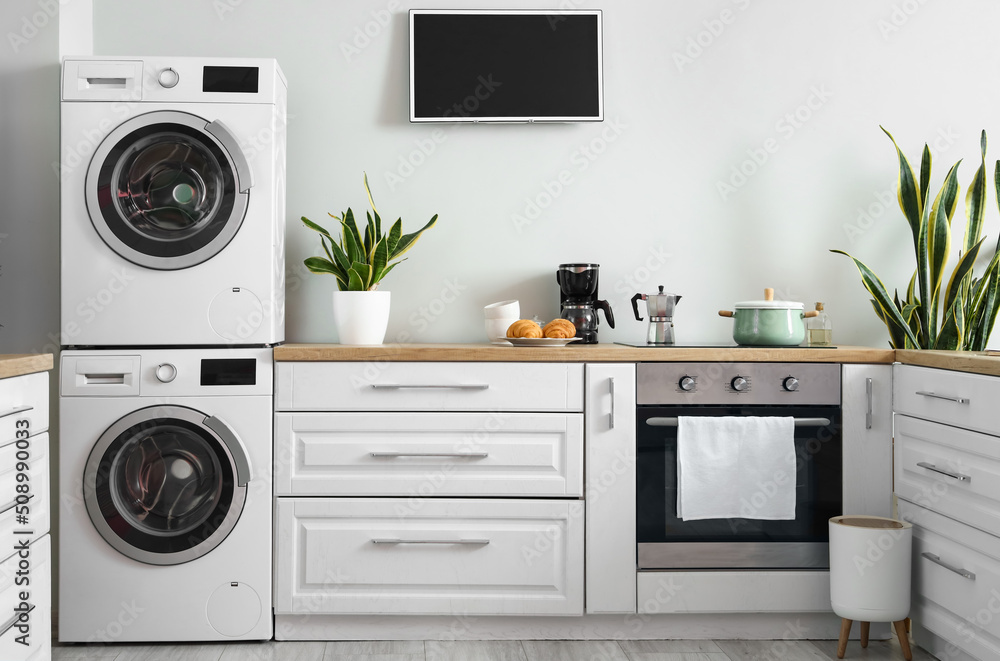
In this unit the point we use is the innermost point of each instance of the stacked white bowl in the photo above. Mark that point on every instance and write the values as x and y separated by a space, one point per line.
499 317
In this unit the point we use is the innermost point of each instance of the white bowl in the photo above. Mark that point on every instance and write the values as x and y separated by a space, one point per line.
503 310
496 330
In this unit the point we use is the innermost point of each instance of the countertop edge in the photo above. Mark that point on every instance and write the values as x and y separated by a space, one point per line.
600 353
19 364
974 362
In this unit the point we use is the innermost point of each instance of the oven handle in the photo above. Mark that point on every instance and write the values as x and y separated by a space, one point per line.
799 422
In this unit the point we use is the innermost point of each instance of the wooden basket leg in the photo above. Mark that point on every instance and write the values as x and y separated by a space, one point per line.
864 633
845 632
904 641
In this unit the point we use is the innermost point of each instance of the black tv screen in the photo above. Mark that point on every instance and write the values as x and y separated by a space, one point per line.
505 66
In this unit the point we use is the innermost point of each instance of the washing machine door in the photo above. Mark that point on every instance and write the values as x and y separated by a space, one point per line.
165 485
168 190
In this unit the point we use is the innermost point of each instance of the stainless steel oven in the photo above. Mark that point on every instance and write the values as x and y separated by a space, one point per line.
807 392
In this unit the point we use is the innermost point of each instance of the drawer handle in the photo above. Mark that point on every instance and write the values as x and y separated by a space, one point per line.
870 404
954 476
467 542
426 386
15 411
462 455
9 624
936 559
957 400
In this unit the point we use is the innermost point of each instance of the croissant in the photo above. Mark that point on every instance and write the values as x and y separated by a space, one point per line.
524 328
561 328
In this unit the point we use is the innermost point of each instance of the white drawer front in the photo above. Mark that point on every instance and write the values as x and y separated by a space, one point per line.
392 386
954 398
39 586
954 576
486 557
24 398
949 470
38 484
426 454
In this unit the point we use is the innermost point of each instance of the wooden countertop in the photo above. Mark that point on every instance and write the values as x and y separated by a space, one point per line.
595 353
976 362
16 364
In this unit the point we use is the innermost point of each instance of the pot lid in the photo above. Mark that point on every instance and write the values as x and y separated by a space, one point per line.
769 303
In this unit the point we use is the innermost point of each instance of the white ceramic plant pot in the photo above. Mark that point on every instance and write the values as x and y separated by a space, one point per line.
361 316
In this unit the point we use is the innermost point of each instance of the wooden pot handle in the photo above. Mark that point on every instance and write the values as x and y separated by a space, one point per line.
810 314
769 294
725 313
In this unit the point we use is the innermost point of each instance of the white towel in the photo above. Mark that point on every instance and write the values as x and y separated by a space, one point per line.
735 467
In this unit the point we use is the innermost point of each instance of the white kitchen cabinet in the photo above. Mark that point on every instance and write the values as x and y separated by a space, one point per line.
438 557
866 399
24 516
947 483
610 487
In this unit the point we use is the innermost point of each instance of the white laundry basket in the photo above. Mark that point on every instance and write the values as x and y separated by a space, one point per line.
870 574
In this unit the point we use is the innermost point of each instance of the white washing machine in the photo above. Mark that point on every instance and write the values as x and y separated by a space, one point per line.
172 176
165 495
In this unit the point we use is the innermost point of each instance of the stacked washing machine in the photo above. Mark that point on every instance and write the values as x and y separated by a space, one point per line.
172 193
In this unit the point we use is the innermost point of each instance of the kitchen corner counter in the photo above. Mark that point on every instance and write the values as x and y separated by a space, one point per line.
18 364
976 362
597 353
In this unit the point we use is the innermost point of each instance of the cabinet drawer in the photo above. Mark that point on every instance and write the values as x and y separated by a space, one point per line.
939 541
38 484
438 557
428 454
949 470
954 398
24 398
392 386
40 597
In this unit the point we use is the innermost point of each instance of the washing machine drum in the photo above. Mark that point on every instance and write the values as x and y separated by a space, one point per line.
165 485
168 190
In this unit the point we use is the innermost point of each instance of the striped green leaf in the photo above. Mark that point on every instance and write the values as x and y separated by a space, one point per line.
890 315
952 330
407 240
975 203
313 226
960 277
907 192
925 175
380 258
395 232
364 272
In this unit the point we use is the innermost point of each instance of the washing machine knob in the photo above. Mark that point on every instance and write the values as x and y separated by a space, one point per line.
168 78
166 372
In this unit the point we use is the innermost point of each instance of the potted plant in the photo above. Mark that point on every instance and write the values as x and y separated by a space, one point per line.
359 260
962 314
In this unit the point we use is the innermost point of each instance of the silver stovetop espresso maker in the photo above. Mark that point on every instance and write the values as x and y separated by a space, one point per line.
660 308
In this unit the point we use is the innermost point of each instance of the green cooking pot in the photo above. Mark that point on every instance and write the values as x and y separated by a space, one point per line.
769 322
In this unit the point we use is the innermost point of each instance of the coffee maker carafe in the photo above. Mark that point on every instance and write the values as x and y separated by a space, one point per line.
660 308
578 300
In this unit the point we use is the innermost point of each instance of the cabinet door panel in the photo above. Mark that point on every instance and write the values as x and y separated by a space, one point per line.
867 422
23 398
953 398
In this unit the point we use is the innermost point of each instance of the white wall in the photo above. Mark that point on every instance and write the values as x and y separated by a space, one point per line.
647 207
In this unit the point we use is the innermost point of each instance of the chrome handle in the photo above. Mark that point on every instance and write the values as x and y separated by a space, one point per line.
954 476
870 405
611 416
424 386
964 573
12 621
957 400
467 542
15 411
463 455
799 422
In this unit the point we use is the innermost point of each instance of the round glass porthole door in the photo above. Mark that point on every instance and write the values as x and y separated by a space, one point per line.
168 190
163 487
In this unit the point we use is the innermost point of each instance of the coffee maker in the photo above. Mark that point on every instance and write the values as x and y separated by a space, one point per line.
578 300
661 315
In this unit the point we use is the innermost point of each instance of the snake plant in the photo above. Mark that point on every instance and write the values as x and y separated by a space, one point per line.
962 314
359 262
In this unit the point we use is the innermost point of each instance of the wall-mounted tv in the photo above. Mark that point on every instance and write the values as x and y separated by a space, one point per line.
506 66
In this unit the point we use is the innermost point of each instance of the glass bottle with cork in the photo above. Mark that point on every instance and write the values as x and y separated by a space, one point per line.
819 329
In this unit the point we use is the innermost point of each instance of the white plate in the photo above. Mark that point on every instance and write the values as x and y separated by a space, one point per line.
541 341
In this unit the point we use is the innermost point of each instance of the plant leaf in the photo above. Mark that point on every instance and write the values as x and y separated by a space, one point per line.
369 237
322 240
340 257
380 257
369 191
407 240
364 273
925 175
395 232
355 283
320 265
907 191
351 247
313 226
351 226
924 283
939 244
975 203
953 329
890 314
960 277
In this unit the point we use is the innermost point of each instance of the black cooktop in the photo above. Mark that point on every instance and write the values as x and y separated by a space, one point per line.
720 345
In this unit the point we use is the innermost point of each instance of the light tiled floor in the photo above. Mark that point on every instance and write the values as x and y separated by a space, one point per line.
497 650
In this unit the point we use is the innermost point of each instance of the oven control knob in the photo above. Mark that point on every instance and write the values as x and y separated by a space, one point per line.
739 384
168 78
686 383
166 372
791 384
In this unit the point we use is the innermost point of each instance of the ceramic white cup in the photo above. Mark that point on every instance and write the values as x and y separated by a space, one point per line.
503 310
496 329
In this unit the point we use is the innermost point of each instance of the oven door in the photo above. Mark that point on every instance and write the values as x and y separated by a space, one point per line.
667 542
